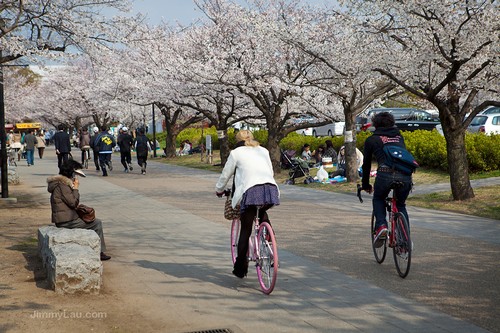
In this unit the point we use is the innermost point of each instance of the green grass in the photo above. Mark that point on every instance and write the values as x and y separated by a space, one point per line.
485 204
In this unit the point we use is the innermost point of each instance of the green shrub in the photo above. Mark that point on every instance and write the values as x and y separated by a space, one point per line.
428 147
482 152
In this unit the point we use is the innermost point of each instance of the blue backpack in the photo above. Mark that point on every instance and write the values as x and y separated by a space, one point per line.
400 159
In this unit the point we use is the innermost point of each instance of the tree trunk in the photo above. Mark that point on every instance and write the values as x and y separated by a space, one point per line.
350 147
274 152
224 147
170 147
458 166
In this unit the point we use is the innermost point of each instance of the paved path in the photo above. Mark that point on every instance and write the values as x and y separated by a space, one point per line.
170 255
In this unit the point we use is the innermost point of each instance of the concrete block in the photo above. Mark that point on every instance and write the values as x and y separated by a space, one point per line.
73 268
71 258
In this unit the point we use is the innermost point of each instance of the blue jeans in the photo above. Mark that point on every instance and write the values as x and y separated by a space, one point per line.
30 156
381 191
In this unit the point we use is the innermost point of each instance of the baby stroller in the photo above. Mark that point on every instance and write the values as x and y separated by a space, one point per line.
286 158
298 168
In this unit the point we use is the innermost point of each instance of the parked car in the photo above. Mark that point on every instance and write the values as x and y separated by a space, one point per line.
491 110
332 129
485 123
408 119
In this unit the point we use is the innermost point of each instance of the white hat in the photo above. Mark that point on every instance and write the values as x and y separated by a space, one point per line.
80 172
124 129
95 129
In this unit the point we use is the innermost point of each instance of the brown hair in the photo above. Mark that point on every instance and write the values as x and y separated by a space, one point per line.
247 136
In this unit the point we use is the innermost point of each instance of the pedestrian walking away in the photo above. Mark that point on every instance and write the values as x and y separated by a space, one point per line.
105 143
84 143
142 148
125 142
40 138
62 144
95 149
30 142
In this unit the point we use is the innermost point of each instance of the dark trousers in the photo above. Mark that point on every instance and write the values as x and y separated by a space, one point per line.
96 159
80 224
40 151
61 158
142 159
104 160
126 158
246 220
381 191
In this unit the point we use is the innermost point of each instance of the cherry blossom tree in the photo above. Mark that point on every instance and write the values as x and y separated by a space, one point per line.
36 28
19 85
262 67
445 52
340 58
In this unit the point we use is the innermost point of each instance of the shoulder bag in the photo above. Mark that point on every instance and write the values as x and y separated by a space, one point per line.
86 213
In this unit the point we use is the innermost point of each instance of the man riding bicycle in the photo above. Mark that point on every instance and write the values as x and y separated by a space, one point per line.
385 133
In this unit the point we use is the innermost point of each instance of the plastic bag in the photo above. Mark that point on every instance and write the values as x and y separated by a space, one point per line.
322 174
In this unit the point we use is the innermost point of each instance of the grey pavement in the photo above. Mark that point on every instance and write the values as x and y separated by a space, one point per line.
171 257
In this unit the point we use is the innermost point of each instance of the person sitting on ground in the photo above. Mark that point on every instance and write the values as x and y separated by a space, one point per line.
319 154
330 151
306 152
341 163
65 197
185 148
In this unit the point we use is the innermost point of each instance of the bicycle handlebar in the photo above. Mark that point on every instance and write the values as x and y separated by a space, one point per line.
359 193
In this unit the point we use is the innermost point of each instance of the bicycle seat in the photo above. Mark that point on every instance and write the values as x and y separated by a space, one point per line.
397 184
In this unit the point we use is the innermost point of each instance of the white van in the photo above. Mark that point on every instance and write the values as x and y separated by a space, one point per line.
333 129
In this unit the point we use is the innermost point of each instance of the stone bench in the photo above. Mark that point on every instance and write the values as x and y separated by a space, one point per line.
71 258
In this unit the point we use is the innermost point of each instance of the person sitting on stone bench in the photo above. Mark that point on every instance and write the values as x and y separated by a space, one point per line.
64 199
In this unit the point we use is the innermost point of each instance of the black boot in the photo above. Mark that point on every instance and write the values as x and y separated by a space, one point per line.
240 268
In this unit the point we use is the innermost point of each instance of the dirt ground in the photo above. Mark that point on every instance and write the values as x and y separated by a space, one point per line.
26 303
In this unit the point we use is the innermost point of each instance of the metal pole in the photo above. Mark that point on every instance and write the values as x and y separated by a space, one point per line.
3 136
154 131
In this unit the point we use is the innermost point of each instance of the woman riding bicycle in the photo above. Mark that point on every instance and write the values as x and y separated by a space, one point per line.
385 133
254 187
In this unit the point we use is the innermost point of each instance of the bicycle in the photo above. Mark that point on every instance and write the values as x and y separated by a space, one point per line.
86 156
398 237
262 249
11 153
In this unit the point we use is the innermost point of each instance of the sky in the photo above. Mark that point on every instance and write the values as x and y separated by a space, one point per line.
182 11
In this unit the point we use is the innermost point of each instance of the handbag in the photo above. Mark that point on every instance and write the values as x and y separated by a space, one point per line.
86 213
231 213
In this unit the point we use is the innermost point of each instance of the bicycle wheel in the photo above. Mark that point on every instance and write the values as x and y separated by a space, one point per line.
379 248
86 163
235 234
402 247
267 261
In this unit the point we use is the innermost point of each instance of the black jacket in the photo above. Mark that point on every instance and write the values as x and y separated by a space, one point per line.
374 147
61 142
125 141
142 145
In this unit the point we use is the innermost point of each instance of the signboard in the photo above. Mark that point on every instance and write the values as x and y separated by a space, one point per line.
28 125
208 145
